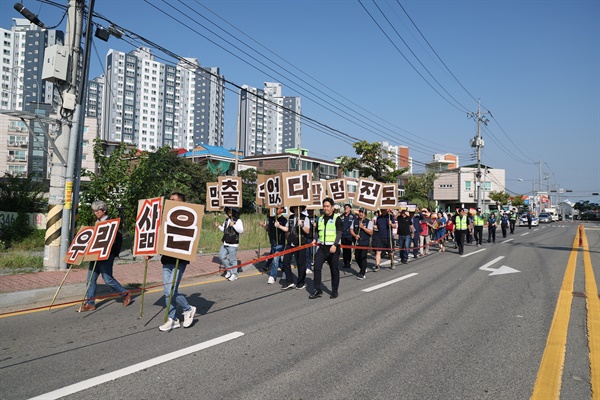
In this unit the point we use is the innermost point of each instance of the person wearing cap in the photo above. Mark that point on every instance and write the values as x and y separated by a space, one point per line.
347 238
277 241
104 267
492 228
504 224
362 230
416 222
231 228
329 234
406 232
461 228
295 232
478 223
384 224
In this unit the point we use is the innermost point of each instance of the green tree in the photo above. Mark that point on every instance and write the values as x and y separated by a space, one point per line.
419 189
517 201
22 194
248 189
500 198
373 161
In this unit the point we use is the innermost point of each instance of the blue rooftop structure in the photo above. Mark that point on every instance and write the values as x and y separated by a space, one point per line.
217 159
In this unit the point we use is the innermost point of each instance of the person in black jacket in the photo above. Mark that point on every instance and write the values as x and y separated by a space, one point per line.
104 267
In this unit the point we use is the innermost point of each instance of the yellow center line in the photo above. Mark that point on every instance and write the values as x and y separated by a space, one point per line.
593 319
549 378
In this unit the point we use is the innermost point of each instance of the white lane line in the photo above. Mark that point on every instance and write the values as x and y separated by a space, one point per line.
474 252
83 385
536 229
381 285
526 233
507 240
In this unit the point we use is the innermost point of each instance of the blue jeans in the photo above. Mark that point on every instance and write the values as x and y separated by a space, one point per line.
404 242
227 257
104 267
178 298
275 261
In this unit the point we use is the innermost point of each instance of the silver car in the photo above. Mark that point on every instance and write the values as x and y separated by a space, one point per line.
534 221
545 218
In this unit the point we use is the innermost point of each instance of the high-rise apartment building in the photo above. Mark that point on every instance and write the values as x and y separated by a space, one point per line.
153 104
269 122
23 48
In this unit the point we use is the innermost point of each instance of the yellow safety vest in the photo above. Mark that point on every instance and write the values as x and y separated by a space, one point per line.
477 220
327 232
461 223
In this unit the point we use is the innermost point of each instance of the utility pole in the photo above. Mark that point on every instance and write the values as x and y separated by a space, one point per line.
60 193
478 143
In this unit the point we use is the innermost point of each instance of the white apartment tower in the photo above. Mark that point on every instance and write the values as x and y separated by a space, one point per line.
152 104
269 122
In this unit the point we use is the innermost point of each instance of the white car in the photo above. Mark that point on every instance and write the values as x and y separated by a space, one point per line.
534 221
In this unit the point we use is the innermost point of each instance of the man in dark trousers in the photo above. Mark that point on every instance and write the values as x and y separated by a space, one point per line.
362 230
512 220
295 230
461 229
329 234
347 239
277 241
405 235
416 223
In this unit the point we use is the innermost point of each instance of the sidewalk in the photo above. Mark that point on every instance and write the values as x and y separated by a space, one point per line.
22 291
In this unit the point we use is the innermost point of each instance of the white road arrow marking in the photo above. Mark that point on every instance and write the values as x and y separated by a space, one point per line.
499 271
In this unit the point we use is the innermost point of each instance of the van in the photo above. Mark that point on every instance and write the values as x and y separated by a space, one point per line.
553 213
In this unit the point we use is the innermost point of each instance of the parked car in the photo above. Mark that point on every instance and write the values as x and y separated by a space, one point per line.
544 218
534 221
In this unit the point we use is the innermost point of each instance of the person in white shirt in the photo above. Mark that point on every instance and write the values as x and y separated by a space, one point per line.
231 228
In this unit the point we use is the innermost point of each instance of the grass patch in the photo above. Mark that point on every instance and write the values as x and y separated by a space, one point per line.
254 235
20 263
34 242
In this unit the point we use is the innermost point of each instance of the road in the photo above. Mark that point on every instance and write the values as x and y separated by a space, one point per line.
447 329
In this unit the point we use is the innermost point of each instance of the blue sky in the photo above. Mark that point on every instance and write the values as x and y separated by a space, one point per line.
535 65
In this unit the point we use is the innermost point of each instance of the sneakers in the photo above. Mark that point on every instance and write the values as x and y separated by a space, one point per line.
169 325
393 267
188 317
360 277
290 286
232 277
301 286
334 295
316 294
308 271
228 275
87 307
376 268
271 280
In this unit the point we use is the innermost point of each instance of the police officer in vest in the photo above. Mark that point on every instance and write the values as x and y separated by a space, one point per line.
347 238
512 221
461 228
329 233
478 223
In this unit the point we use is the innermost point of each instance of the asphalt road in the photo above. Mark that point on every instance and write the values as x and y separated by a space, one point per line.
448 330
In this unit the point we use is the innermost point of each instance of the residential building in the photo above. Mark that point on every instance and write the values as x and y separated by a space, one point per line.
152 104
95 91
442 162
458 187
216 159
23 48
284 162
269 122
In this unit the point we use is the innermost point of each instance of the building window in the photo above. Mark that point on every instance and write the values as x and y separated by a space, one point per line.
467 185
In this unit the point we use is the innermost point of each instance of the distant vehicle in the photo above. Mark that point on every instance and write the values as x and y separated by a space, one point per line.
553 212
534 221
544 218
